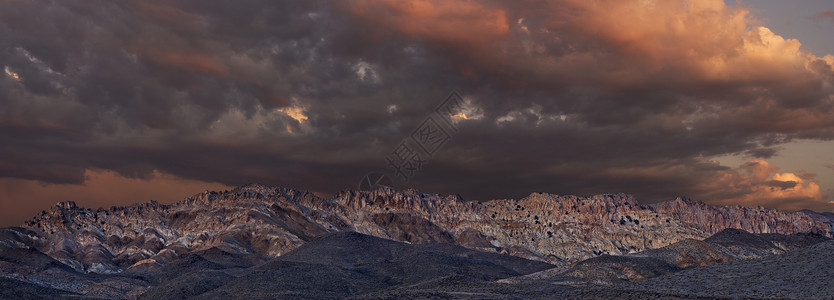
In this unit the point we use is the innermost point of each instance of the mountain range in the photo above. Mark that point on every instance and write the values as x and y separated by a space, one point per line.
257 241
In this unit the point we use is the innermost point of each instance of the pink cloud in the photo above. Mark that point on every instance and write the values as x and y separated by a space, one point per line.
455 22
824 15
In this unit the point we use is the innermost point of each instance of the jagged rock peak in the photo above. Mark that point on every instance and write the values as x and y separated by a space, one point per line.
254 186
682 200
66 205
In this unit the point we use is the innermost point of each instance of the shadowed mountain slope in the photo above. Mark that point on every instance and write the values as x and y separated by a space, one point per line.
347 263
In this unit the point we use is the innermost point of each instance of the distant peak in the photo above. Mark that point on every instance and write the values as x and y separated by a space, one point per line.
688 201
66 205
252 186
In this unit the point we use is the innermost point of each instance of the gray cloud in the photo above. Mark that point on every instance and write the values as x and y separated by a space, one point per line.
201 90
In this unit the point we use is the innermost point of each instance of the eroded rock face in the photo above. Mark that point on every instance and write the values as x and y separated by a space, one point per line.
713 218
268 221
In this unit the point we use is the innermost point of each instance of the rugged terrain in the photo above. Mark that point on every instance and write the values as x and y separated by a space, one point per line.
266 242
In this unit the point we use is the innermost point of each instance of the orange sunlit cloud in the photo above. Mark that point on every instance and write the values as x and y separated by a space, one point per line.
754 183
459 115
452 21
11 74
760 183
706 37
695 40
295 112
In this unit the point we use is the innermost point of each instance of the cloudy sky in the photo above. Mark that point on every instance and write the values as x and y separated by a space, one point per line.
115 102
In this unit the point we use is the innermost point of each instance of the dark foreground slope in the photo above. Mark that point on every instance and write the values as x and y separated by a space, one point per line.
726 246
347 263
330 266
802 274
732 264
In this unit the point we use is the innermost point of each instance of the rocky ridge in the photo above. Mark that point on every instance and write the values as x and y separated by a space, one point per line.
269 222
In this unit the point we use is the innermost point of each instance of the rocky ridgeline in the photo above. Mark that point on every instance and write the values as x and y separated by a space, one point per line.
257 219
713 218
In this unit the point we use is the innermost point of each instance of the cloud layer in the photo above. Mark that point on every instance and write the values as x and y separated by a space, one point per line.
571 96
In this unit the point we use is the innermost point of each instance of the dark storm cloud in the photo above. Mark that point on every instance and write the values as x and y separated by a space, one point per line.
762 152
570 97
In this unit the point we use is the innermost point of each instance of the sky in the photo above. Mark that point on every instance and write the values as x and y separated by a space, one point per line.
116 102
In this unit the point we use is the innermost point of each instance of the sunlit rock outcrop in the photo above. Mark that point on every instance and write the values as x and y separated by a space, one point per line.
268 221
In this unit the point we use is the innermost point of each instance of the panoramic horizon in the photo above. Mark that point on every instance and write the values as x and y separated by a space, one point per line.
112 103
416 149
